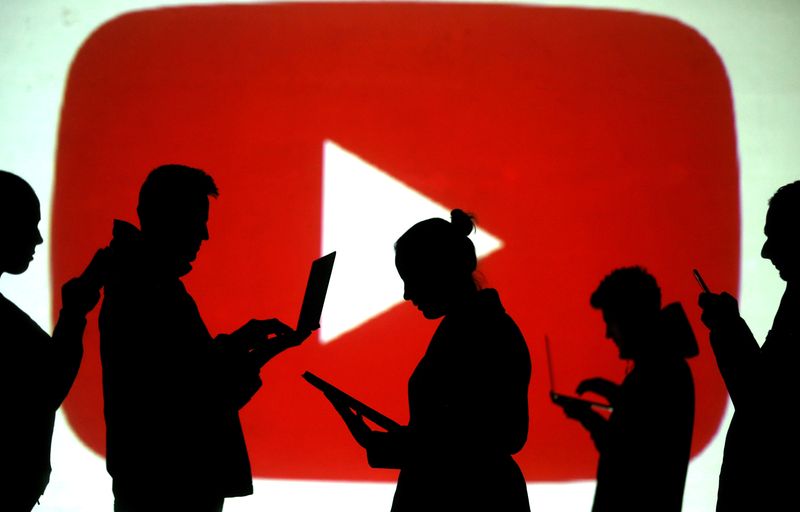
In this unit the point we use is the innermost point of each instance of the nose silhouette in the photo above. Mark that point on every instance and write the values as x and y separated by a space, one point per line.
765 250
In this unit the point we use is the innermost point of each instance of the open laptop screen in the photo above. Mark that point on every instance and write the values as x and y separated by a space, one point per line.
316 290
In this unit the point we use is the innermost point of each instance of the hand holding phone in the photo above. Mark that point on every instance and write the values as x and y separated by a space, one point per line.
571 401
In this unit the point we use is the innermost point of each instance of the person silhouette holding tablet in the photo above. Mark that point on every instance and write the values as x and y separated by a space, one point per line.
762 446
644 444
172 393
38 370
468 396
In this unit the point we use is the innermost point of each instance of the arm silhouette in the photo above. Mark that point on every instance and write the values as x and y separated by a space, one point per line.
735 348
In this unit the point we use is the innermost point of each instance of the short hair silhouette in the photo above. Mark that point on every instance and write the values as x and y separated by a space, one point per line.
628 290
443 245
15 193
172 189
785 203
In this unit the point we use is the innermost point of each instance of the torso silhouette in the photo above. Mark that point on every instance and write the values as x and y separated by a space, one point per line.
171 420
762 448
645 455
34 380
468 415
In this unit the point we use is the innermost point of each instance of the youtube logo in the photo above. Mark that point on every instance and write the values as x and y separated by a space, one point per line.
583 140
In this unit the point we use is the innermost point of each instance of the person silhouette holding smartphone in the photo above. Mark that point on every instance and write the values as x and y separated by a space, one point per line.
38 370
762 446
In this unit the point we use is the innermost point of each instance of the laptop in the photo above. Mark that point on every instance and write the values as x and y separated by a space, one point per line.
561 399
316 290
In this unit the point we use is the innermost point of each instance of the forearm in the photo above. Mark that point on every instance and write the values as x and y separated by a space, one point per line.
739 360
65 354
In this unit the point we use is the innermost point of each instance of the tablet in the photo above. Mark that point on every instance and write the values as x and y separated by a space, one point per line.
331 391
316 290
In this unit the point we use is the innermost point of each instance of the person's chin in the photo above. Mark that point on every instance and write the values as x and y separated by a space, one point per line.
782 273
789 277
191 256
431 314
19 269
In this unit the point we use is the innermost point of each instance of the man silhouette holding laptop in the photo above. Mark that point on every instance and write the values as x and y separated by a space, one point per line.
644 443
172 392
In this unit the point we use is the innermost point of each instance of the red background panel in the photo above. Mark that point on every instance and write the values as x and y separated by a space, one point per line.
584 139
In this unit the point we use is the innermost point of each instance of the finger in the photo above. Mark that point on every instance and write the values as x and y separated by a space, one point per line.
707 299
272 326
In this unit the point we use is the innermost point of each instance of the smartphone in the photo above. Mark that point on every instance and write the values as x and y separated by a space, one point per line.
700 280
560 399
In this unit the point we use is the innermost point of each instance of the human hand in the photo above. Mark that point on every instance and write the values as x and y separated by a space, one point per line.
264 339
718 309
599 386
256 331
353 420
576 409
81 294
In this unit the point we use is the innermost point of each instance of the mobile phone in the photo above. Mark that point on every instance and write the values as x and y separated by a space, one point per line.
700 280
562 400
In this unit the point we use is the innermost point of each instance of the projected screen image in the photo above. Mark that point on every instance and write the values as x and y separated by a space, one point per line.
583 137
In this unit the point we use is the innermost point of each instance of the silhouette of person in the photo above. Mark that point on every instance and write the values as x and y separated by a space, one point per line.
172 392
762 448
644 444
468 396
38 370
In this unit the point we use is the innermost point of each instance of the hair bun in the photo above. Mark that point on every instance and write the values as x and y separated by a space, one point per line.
462 221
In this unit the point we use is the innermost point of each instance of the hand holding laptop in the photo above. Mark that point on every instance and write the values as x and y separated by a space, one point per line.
261 340
572 403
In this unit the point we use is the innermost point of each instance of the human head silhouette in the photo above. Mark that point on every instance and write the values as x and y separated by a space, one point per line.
630 301
782 229
173 212
19 221
436 260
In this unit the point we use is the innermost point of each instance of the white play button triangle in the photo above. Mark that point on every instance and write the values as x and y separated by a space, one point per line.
364 211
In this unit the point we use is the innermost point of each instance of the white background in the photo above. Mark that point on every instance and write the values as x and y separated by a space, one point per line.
758 41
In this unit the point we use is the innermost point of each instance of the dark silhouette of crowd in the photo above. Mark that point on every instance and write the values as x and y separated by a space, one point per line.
172 392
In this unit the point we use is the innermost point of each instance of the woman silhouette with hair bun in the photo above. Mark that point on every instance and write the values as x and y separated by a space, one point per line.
468 396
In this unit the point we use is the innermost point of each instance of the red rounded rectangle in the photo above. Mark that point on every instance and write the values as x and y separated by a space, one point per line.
584 139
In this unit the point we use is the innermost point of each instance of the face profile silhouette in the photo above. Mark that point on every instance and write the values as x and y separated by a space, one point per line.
426 288
630 301
435 259
19 220
173 212
782 246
